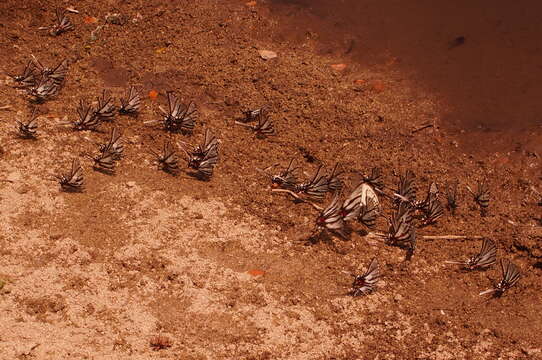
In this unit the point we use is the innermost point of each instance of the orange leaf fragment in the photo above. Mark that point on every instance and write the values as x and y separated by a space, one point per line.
251 3
359 82
153 94
256 272
90 20
160 50
338 67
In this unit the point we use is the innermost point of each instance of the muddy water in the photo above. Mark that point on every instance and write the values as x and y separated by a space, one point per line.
484 59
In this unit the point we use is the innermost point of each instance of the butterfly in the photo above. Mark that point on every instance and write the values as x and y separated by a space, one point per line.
366 283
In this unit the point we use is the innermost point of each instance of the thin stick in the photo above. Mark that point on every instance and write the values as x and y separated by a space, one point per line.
152 121
5 107
455 262
422 128
243 124
298 198
451 237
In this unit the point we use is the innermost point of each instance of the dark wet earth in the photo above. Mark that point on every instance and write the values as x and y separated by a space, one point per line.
483 59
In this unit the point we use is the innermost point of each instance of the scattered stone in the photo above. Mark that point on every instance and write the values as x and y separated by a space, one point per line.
338 67
23 189
267 54
131 184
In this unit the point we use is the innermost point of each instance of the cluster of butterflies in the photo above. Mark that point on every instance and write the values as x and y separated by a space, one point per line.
486 257
263 126
178 117
202 158
90 118
363 205
41 82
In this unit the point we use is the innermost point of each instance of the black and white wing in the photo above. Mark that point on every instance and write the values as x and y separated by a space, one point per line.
131 103
366 283
264 127
334 183
485 258
374 178
369 213
330 218
406 188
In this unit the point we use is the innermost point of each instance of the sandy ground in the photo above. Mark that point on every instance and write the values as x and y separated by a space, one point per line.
145 265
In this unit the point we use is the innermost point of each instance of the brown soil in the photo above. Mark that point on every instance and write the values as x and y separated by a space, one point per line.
145 265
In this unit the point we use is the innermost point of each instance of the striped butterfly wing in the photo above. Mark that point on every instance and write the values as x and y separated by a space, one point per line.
366 283
62 24
76 174
174 105
317 187
433 211
87 119
334 183
105 108
131 103
172 118
72 181
406 187
351 206
369 213
432 193
510 276
28 77
286 179
375 178
264 126
44 90
58 74
168 158
210 143
207 165
114 145
187 117
485 258
251 115
451 195
29 129
105 161
400 225
482 194
330 218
